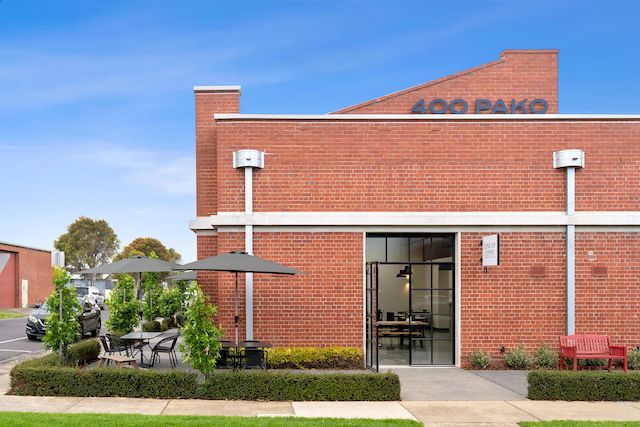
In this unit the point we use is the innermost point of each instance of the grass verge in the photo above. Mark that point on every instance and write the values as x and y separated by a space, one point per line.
117 420
6 314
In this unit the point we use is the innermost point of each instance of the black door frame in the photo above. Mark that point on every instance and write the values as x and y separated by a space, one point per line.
452 264
371 317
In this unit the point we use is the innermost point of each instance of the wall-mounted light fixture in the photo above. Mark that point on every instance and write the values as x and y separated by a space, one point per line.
405 272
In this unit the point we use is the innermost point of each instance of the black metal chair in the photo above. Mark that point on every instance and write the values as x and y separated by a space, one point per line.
255 358
116 345
165 345
225 360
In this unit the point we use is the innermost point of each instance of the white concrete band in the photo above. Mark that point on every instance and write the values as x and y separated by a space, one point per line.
205 89
429 117
457 219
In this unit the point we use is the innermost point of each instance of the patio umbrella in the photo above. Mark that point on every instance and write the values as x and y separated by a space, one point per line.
186 275
239 262
135 264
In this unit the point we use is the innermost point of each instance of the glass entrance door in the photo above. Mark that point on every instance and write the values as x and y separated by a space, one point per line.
432 314
415 298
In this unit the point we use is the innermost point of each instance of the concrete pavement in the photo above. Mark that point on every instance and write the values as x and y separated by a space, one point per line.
443 413
431 413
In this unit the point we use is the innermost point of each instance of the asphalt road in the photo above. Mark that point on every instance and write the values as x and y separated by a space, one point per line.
14 342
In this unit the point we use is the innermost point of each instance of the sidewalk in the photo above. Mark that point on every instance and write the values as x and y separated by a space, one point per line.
446 413
433 413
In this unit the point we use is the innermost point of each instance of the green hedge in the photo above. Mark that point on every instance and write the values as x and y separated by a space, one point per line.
79 354
84 352
315 358
300 386
116 382
583 385
47 376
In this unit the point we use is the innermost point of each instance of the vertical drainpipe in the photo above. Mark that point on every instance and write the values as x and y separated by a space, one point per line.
248 159
570 160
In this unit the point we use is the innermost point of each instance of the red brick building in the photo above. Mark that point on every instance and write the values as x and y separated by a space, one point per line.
25 275
384 206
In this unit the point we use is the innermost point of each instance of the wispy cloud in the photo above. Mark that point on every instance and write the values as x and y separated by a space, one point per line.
165 172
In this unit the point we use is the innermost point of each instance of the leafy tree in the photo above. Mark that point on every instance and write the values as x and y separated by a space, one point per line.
170 302
123 306
185 288
62 322
152 293
201 345
87 243
147 245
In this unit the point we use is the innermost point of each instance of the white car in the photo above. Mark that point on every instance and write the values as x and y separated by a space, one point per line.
92 293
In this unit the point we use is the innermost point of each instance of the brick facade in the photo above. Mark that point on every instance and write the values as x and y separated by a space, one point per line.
33 265
518 74
396 164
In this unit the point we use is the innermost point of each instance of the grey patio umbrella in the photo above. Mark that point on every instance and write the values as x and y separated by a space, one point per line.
135 264
239 262
187 275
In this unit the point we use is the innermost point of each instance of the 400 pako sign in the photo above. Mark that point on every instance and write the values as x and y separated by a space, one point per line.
460 106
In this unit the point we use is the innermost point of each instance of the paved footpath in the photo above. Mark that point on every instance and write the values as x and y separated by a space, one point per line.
431 413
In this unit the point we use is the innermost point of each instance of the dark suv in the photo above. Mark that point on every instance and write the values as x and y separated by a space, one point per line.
89 320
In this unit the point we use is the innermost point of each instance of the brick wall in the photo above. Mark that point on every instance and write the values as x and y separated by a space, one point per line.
608 285
429 166
518 74
208 280
35 266
507 306
322 307
208 103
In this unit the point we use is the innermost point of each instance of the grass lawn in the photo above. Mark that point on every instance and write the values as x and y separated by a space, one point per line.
581 424
107 420
4 314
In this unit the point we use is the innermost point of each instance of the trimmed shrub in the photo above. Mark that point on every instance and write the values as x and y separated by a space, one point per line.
115 382
155 325
546 358
583 385
480 360
315 358
633 359
47 376
517 359
278 386
84 352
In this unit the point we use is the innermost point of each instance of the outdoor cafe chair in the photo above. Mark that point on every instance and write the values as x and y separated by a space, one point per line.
165 345
115 344
255 358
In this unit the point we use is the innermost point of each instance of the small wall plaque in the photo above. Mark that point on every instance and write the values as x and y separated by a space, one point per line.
538 271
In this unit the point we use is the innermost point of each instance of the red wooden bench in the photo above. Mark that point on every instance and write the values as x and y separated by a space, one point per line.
590 347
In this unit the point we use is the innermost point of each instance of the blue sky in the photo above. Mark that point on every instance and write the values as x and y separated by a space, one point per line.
97 108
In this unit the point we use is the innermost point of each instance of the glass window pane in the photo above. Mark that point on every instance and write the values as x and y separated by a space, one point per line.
420 303
442 327
442 352
419 248
442 248
443 276
421 276
397 249
375 249
421 351
442 302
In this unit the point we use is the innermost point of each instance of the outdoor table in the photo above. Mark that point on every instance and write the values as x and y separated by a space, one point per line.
143 337
256 344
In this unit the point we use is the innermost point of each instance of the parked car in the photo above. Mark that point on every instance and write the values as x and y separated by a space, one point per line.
89 319
97 295
92 293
